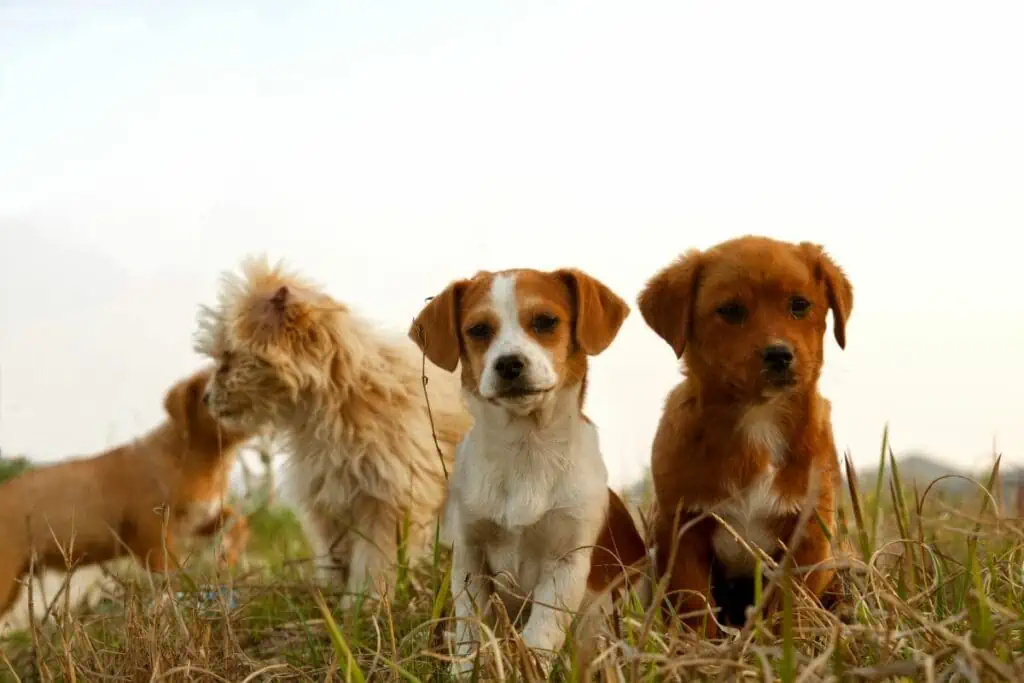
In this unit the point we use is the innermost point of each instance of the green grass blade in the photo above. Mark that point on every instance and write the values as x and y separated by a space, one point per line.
352 671
877 502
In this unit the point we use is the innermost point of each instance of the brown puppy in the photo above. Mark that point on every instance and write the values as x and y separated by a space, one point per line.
95 509
746 435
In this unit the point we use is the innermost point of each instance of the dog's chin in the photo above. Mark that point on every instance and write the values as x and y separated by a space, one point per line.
520 400
776 386
236 421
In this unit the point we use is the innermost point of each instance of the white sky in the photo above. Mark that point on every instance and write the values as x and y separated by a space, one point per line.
385 148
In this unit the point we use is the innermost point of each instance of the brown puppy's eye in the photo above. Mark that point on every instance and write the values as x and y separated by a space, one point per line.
733 313
543 323
799 307
479 331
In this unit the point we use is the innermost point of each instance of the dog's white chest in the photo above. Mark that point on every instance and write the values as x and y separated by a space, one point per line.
749 513
511 490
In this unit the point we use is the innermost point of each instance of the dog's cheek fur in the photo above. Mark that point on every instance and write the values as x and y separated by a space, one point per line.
720 352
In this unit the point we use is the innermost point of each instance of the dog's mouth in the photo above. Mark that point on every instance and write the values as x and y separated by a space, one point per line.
780 381
516 393
222 413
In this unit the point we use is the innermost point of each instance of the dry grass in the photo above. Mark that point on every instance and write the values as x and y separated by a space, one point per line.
935 593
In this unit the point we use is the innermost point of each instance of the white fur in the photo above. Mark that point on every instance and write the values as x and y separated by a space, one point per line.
528 497
761 428
748 510
517 481
511 338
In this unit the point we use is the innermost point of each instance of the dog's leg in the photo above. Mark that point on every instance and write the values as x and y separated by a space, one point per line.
556 599
471 592
10 572
815 550
374 553
689 576
327 537
237 537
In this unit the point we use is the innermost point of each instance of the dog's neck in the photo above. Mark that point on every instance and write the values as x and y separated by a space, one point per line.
768 425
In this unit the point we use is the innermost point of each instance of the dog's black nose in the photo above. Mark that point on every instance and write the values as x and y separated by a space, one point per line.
509 367
777 357
206 399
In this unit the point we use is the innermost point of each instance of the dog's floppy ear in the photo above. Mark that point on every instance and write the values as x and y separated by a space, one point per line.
837 287
276 306
182 400
436 329
600 312
669 298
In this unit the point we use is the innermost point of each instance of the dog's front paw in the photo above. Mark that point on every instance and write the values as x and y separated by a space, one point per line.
542 646
541 662
462 668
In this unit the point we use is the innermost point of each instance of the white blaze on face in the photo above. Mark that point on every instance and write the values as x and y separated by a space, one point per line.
512 339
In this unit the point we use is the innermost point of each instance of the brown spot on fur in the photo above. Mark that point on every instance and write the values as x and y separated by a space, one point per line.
619 547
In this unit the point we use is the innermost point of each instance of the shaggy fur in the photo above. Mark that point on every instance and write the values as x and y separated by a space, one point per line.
90 510
745 436
349 400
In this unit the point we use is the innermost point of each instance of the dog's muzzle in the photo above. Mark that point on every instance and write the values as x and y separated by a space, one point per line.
777 360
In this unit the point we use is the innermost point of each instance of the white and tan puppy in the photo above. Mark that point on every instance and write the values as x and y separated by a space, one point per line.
529 509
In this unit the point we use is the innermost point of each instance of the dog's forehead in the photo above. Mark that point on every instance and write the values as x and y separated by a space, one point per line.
517 289
757 266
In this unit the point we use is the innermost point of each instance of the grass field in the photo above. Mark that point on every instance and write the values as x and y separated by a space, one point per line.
935 592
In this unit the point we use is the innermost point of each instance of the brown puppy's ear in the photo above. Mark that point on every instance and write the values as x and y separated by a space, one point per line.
600 312
436 329
837 287
182 400
668 300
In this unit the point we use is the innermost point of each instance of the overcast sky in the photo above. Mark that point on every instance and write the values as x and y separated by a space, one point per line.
385 148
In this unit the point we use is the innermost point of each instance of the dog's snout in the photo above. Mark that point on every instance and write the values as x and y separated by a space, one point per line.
777 357
510 367
206 398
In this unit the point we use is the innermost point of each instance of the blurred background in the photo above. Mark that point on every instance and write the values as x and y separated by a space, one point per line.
385 148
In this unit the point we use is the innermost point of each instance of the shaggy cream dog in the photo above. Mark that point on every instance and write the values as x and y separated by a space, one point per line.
350 402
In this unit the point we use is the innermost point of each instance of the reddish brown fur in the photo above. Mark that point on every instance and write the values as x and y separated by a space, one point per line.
96 509
702 451
619 548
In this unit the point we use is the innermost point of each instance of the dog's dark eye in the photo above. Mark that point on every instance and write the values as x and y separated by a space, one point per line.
799 306
543 323
732 312
479 331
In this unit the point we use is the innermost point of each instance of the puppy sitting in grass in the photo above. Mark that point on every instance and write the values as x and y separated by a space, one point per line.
139 499
745 436
350 402
533 520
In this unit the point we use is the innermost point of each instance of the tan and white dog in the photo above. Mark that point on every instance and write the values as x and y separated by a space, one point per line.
529 498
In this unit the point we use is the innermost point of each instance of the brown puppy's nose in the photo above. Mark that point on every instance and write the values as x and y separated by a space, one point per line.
206 399
509 367
777 357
